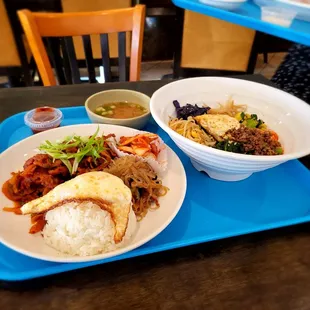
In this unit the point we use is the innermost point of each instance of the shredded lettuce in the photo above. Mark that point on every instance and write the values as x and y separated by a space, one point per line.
87 146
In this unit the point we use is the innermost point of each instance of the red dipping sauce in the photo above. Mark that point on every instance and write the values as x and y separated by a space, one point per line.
43 118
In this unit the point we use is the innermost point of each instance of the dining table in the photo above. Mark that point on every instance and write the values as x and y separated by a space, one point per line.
265 270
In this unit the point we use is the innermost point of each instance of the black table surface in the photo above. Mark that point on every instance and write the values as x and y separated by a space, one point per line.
267 270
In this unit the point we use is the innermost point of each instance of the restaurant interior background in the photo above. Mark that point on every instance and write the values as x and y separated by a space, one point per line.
177 43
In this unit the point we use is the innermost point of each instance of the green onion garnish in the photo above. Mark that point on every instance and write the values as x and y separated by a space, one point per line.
87 146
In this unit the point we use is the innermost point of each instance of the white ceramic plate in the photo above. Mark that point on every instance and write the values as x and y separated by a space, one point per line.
14 229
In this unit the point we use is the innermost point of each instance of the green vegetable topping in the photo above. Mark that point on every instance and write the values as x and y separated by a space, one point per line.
279 150
228 146
260 123
86 146
251 123
250 120
254 116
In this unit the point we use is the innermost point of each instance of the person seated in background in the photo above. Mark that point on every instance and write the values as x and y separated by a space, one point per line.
293 74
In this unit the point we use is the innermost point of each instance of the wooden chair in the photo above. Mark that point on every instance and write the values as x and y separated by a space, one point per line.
98 5
50 37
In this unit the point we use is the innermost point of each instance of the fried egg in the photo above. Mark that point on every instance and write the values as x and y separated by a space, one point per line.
103 189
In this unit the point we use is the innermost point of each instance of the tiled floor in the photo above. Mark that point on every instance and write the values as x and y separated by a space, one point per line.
267 70
155 70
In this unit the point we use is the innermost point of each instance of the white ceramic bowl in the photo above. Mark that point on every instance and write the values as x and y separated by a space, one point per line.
118 95
284 113
224 4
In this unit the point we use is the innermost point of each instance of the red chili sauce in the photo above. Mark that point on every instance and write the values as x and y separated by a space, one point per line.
42 115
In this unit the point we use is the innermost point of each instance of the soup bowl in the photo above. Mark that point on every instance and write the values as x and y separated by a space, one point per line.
287 115
118 95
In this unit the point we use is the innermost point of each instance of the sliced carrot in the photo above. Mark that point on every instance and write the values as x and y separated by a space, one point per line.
37 217
37 227
15 210
140 145
274 135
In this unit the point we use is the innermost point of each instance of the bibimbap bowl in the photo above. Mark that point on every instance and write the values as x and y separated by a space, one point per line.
285 114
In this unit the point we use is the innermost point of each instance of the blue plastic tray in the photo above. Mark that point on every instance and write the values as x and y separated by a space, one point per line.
211 210
249 15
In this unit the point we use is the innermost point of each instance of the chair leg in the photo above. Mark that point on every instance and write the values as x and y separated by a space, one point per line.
265 57
177 57
253 55
15 81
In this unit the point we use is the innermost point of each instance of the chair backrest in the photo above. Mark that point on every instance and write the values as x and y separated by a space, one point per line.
50 34
97 5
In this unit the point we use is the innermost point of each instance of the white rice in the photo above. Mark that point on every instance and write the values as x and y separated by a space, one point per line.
83 229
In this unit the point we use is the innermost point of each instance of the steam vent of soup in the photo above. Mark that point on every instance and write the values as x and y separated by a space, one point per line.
121 110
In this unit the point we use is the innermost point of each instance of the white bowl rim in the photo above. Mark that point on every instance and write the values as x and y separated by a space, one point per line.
117 119
216 152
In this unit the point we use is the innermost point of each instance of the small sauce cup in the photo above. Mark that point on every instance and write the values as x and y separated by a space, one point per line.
43 118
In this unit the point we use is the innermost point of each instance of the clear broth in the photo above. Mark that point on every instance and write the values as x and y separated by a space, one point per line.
121 110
